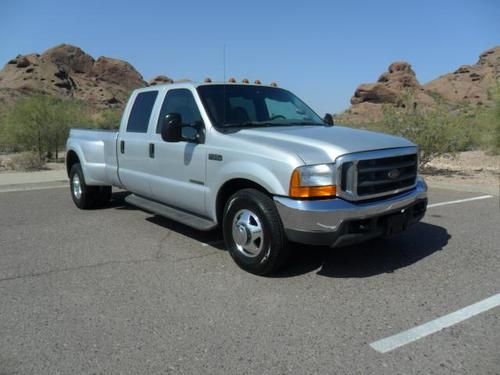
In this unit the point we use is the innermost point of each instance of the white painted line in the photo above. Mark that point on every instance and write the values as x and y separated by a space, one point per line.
413 334
459 201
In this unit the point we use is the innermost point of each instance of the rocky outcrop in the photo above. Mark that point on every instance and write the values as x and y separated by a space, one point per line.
469 84
67 71
158 80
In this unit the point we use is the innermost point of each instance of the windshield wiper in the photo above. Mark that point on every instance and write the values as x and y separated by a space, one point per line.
307 123
269 124
248 124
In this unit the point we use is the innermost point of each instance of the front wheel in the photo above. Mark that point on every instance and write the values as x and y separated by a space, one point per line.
253 232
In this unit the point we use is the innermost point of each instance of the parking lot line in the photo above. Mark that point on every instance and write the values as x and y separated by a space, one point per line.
459 201
416 333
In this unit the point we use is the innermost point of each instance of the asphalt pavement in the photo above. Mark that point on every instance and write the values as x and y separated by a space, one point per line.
119 290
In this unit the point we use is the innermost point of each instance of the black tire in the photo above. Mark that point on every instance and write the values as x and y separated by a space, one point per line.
103 195
262 214
86 197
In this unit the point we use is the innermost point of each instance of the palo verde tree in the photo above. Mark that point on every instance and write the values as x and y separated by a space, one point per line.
438 130
41 123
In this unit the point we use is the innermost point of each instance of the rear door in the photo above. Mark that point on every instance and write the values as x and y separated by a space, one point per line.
134 162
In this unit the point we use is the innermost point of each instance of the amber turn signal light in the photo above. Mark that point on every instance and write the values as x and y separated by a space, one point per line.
298 191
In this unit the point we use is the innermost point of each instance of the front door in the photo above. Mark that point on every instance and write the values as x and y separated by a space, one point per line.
178 174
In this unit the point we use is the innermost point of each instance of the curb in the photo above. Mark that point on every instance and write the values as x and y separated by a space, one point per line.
34 186
465 188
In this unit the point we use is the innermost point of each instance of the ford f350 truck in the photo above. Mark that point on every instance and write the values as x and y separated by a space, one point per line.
255 160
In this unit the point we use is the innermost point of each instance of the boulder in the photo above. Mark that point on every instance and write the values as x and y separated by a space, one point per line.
374 93
69 58
158 80
117 72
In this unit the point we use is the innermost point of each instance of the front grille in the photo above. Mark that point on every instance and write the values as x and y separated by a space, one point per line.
385 175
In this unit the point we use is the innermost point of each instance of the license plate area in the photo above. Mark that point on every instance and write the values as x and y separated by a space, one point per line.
395 223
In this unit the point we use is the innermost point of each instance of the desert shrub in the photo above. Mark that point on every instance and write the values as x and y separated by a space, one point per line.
24 161
486 125
41 123
108 119
437 131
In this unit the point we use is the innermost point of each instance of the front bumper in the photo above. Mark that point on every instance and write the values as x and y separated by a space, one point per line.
336 222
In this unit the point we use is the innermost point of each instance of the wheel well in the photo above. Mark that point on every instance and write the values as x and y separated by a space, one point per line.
71 159
229 188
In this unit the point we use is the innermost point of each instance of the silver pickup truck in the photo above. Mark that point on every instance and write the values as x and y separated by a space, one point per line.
255 160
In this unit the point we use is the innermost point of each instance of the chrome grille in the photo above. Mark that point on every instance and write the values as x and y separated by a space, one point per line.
378 176
375 174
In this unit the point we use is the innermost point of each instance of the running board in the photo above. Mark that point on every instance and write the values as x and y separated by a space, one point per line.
175 214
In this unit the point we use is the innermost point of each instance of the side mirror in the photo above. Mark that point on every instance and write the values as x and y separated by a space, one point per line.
171 129
328 119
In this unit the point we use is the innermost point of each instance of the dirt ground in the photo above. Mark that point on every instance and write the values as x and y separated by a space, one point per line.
50 166
469 167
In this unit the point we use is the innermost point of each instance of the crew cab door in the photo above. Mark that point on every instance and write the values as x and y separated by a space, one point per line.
178 177
134 163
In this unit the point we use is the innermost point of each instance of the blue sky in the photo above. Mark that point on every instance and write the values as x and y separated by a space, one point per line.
321 50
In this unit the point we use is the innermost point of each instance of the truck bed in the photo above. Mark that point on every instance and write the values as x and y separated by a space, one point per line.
98 149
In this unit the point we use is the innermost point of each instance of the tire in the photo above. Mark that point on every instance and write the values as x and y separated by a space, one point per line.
84 196
103 195
253 232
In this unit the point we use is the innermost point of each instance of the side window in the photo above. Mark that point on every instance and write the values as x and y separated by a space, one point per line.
180 101
138 120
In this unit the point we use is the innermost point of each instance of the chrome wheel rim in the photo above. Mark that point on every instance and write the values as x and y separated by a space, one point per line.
77 186
248 234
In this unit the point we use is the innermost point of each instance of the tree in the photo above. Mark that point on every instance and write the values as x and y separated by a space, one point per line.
437 131
41 123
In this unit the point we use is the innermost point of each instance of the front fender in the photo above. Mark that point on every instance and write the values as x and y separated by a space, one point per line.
257 173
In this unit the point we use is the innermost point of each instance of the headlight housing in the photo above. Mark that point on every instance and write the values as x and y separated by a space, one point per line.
313 181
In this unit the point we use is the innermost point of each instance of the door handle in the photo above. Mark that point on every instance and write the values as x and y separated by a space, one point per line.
122 147
152 150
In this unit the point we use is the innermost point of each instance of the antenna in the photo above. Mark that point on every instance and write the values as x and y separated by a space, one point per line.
224 61
224 86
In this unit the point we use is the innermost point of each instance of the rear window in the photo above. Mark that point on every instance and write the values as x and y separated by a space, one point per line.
138 120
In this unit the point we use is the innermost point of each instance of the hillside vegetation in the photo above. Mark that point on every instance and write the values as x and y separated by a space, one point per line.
43 95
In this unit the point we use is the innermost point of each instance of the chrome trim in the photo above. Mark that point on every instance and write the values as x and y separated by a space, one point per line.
352 194
320 216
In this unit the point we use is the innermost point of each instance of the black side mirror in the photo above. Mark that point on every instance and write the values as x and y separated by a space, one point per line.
328 119
171 129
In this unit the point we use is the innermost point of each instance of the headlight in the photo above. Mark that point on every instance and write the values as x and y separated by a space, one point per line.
312 181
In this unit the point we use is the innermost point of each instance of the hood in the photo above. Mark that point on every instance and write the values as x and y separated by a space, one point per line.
321 144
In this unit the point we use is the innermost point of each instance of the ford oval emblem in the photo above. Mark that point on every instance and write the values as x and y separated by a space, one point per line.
393 174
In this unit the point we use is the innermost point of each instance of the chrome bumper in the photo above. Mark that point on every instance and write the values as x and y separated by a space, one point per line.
320 222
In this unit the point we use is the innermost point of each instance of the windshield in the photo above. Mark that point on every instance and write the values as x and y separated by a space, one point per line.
252 106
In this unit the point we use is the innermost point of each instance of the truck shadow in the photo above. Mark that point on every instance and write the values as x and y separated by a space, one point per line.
363 260
370 258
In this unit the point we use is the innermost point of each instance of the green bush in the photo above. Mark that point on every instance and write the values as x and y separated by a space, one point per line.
41 124
437 131
486 126
109 119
